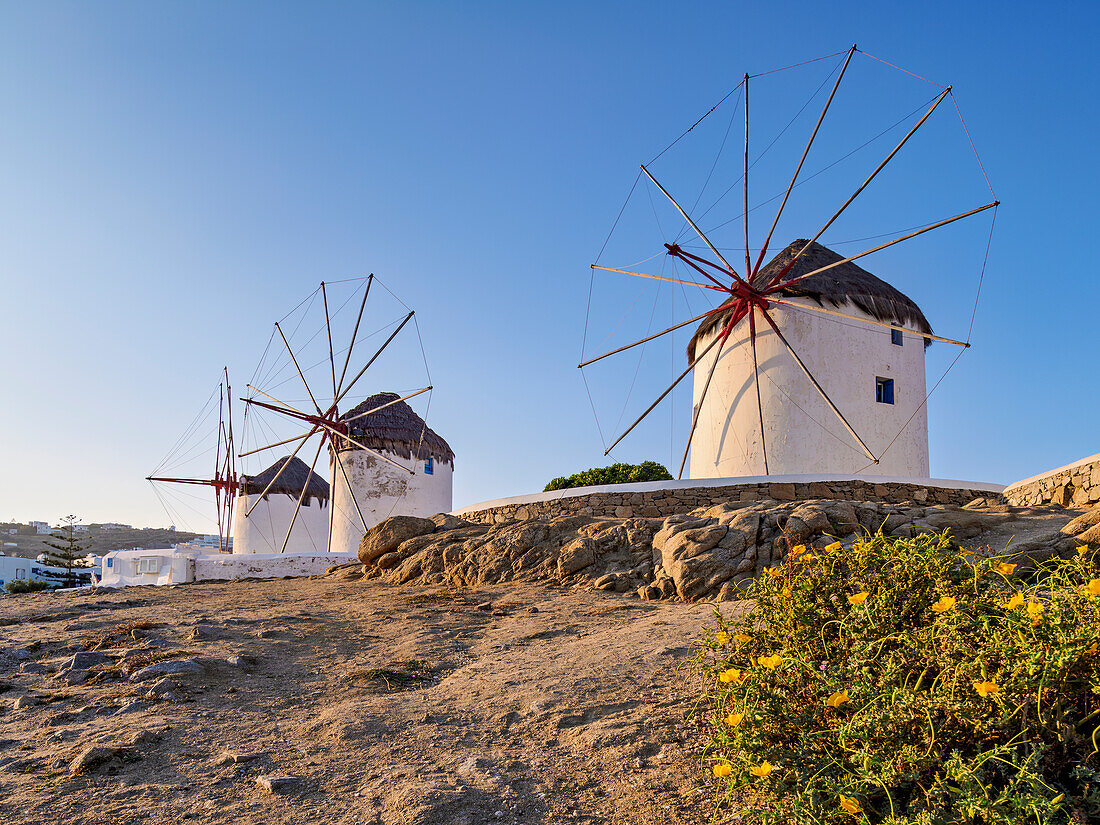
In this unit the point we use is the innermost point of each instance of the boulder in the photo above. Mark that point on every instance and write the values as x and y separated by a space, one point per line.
385 536
1091 518
173 667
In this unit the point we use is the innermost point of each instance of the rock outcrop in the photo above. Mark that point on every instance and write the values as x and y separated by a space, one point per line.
708 553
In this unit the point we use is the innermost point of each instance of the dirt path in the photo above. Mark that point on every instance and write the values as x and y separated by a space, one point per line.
512 704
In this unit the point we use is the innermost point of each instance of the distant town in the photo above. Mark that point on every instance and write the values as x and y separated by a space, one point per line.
28 539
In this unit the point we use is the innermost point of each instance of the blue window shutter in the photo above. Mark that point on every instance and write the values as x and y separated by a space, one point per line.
429 467
895 337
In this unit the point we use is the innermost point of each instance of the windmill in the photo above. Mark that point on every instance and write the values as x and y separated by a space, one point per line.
223 480
755 299
330 378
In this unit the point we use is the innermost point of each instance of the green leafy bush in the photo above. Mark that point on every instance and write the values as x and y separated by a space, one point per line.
25 586
615 474
908 681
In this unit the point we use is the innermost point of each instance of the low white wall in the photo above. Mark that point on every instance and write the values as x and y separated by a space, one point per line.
690 483
266 565
120 569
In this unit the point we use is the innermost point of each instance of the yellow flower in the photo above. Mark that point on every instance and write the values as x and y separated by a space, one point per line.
722 637
1035 610
722 769
735 719
837 699
944 604
809 558
742 638
1004 568
849 804
986 689
798 549
857 599
1091 648
770 662
762 770
731 675
1082 549
1016 601
1057 799
832 548
785 592
1093 587
772 571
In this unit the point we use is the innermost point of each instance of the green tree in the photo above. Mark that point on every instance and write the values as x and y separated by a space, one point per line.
66 550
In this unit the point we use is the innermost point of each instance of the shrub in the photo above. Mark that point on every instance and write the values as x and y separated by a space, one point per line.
908 681
25 586
615 474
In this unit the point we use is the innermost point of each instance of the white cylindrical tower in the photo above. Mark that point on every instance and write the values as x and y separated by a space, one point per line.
874 375
379 489
265 528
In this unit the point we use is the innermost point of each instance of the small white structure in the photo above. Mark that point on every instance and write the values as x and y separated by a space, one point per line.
874 375
265 528
377 488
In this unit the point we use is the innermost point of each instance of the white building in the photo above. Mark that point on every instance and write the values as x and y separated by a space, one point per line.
17 568
265 528
202 544
391 427
124 568
874 375
42 528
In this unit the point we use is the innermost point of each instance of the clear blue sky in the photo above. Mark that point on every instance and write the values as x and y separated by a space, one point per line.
176 176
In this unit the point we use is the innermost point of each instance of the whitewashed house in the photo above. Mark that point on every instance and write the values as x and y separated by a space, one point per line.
393 429
874 375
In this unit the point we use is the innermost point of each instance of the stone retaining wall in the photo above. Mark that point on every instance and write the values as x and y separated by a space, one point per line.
1076 485
660 503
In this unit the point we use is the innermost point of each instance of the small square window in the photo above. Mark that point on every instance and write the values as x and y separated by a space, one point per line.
148 564
895 337
110 562
429 466
884 390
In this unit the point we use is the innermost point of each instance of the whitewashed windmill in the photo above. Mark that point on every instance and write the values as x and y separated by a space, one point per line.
373 473
808 336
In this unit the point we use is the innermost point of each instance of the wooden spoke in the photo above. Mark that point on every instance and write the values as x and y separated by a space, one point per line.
820 389
655 335
691 223
745 202
276 400
354 333
661 398
884 246
811 308
724 335
659 278
300 375
328 329
387 404
756 380
385 344
864 185
276 444
302 495
351 490
286 464
802 160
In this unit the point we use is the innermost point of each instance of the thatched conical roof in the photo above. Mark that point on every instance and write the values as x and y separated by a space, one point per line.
395 429
290 482
847 283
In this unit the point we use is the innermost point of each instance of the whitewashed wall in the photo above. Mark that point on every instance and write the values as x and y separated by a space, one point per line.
176 567
381 491
803 434
265 529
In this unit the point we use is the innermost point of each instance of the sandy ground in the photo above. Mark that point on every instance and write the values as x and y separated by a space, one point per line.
511 704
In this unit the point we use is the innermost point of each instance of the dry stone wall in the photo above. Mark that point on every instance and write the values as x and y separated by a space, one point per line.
660 503
1077 485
